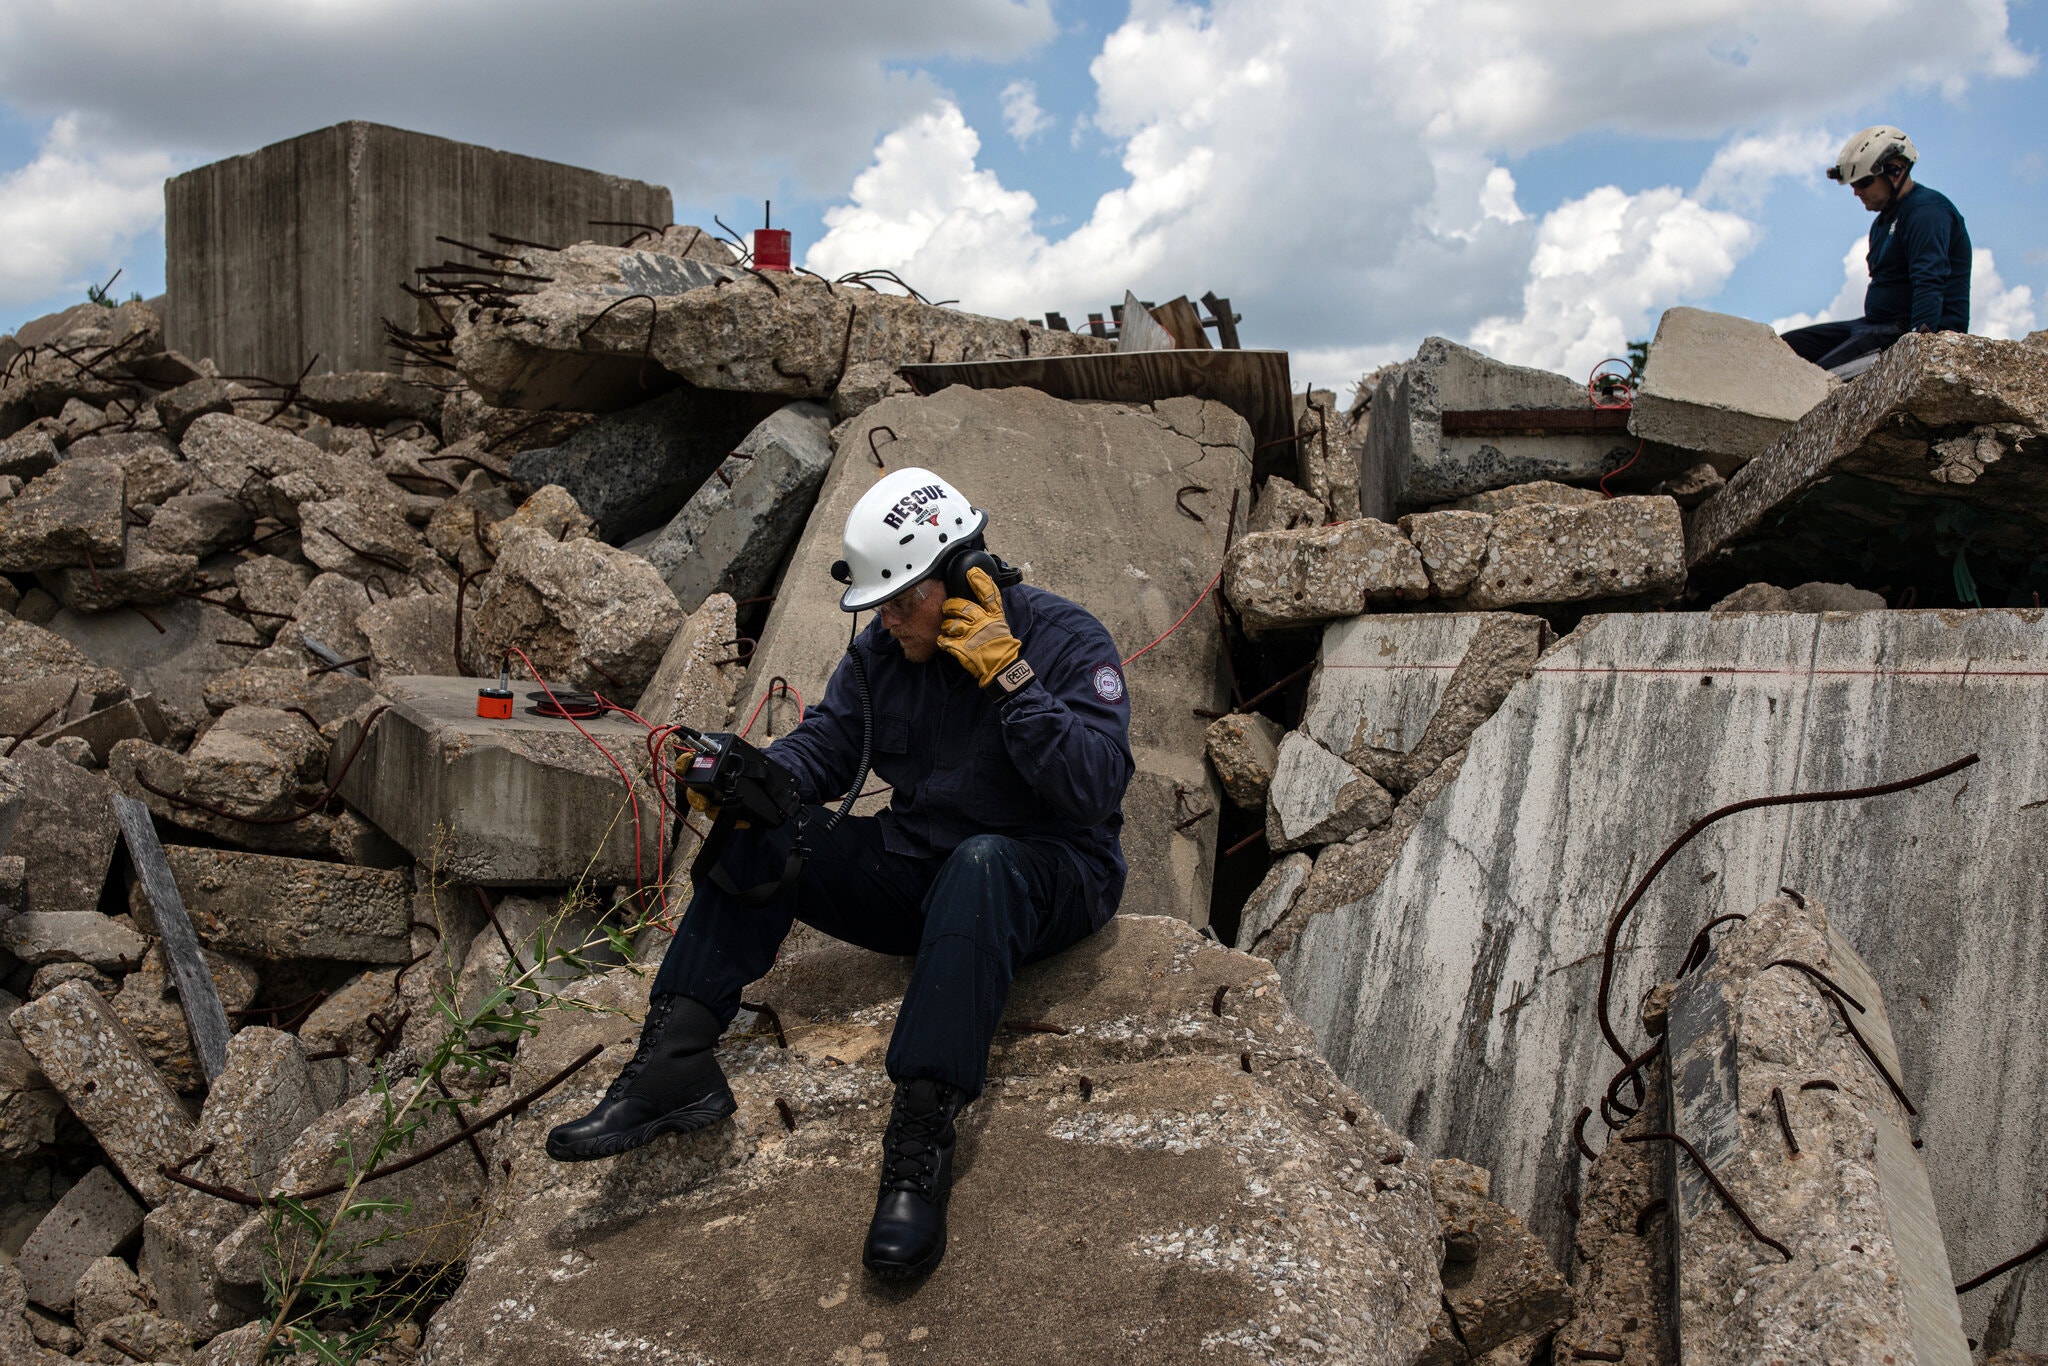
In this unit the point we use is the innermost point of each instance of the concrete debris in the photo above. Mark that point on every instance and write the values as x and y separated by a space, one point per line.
368 541
1272 898
1316 798
694 683
369 397
412 635
108 1289
1453 546
1330 455
63 829
1281 506
17 1339
72 515
277 908
39 937
27 453
631 470
95 1217
1499 1283
240 781
1807 597
738 527
1692 486
1167 1117
179 408
275 471
1243 749
143 576
521 802
1278 579
149 1004
1622 548
1621 1244
1540 492
29 1108
1723 386
1412 461
198 525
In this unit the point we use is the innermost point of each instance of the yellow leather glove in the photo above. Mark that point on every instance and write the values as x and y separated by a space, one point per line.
702 804
975 633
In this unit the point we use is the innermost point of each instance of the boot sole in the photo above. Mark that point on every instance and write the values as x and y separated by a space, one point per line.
688 1119
896 1271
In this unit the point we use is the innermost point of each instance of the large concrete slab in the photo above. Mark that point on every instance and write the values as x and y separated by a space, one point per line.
336 221
1721 385
1081 496
527 801
1458 992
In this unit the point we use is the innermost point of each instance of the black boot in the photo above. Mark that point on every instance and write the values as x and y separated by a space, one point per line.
672 1085
907 1237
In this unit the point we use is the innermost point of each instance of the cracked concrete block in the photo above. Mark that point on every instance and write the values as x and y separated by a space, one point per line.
414 635
275 472
252 763
39 937
29 1108
366 541
141 574
1272 898
694 683
1499 1283
1724 386
737 528
276 908
1452 545
1316 798
1243 748
1283 507
105 1077
95 1217
1280 579
271 586
1624 547
197 524
73 513
64 830
523 801
1537 493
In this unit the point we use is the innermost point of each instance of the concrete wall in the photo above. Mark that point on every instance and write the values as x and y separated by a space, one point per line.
300 248
1459 995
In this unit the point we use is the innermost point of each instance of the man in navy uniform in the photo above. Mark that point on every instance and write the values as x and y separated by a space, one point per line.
1919 255
1001 723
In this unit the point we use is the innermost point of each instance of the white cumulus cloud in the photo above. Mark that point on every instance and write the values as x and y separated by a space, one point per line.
1848 301
1021 114
1996 311
70 213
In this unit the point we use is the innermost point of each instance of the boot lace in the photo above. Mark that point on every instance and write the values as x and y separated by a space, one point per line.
657 1020
910 1152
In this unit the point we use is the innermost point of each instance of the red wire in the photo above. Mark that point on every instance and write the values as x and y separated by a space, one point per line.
1183 617
764 702
1619 468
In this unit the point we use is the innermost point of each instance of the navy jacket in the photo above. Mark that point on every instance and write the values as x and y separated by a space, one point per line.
1919 265
1048 763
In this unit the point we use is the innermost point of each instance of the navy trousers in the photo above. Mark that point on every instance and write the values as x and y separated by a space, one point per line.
1830 344
971 919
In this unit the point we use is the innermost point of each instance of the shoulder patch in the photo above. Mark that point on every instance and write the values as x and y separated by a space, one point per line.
1109 684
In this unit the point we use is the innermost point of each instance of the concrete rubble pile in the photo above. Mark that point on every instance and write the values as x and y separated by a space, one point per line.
1416 691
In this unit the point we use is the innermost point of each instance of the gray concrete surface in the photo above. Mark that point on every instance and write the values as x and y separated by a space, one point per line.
521 802
334 220
1458 991
1116 469
1721 385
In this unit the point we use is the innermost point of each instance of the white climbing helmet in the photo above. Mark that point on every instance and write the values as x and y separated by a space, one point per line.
1873 147
897 532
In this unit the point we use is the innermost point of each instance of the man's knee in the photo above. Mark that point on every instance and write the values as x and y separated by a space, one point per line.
981 886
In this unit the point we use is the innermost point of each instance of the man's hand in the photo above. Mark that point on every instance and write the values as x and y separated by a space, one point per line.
976 634
702 804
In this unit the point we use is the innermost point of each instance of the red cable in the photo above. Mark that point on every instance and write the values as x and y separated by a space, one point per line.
764 702
1183 617
1619 468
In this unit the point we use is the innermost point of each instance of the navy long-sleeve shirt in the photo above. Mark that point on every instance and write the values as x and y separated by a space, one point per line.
1050 762
1919 265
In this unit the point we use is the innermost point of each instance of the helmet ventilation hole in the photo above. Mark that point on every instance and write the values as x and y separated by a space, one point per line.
908 539
885 573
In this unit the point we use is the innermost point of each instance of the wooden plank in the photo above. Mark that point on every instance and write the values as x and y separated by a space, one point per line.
1183 322
1138 330
1253 383
203 1010
1538 421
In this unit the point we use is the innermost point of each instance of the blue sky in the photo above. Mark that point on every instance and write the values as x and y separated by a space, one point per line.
1535 181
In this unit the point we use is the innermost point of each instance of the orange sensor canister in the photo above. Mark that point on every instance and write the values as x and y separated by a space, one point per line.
495 704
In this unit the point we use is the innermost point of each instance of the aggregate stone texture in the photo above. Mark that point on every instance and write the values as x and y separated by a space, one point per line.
458 527
172 664
1453 545
29 652
39 937
369 397
1252 1223
1852 1206
95 1216
1243 747
693 686
275 908
179 408
1273 897
64 832
632 470
1536 493
344 536
584 612
95 1063
117 1340
579 344
1891 425
1499 1283
72 514
252 763
143 574
1624 547
27 453
1622 1245
1330 456
737 527
1807 597
1724 386
550 510
148 1004
411 635
108 1289
1116 468
1316 798
1280 579
326 697
152 468
29 1108
1283 507
325 611
17 1342
275 472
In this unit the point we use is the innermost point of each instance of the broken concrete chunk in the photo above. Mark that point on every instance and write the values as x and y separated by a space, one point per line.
694 684
632 470
74 514
1539 493
28 453
1835 597
326 614
1272 898
459 527
1242 748
179 408
369 398
523 801
1499 1283
116 1341
737 527
198 524
28 1107
326 697
149 1005
152 469
1278 579
65 830
274 472
550 510
275 908
588 615
1625 547
366 541
414 635
250 763
1721 385
95 1216
1283 507
343 1020
1452 545
143 575
107 1080
269 587
108 1289
1316 798
1331 454
38 937
1691 486
29 652
138 718
174 663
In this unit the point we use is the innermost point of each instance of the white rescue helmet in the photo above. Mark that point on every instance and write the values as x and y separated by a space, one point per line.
897 533
1864 153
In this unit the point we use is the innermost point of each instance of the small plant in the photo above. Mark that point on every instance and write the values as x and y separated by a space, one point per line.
103 294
